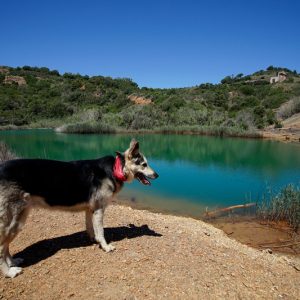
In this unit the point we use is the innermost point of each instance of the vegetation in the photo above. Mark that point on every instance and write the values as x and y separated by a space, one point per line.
290 108
101 104
86 128
285 206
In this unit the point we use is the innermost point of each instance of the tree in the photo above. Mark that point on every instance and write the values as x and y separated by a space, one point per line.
227 79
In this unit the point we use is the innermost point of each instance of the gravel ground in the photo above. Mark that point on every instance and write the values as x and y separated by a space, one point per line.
157 257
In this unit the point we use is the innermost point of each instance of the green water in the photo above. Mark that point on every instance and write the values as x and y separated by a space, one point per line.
195 171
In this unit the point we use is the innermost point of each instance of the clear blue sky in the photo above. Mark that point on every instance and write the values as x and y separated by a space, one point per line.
157 43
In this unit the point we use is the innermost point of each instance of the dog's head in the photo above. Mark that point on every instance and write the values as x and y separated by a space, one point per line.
136 165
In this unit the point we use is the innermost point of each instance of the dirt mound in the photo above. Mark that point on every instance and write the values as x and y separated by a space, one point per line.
157 257
139 100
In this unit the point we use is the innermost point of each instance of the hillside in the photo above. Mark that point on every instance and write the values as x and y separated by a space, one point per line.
31 96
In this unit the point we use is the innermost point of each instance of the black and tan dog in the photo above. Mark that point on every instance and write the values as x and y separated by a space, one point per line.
83 185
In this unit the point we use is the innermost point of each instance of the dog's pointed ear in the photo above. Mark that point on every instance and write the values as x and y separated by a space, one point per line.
120 154
134 148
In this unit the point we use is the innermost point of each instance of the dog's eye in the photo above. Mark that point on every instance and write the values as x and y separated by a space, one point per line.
144 165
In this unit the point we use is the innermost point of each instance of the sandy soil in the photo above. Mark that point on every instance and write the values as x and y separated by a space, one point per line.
157 257
282 134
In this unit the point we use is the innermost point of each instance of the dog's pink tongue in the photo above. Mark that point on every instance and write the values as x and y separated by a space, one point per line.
145 181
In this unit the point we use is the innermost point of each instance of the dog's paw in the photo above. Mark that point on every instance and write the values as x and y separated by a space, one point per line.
13 272
16 262
109 248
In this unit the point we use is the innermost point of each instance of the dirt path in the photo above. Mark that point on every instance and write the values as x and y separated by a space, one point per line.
157 257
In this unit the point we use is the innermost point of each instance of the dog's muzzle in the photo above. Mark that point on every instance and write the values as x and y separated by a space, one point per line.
143 179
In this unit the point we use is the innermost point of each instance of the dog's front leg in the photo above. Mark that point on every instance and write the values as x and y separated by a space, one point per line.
97 220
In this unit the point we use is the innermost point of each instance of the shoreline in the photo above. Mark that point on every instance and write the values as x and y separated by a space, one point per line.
283 135
238 227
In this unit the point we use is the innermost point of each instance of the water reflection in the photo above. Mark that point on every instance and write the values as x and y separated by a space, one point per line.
203 170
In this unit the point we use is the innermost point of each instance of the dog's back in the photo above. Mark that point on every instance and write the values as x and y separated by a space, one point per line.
59 183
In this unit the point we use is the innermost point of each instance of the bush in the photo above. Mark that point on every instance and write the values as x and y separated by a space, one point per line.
278 124
247 90
270 117
147 118
275 98
259 113
171 104
289 108
245 119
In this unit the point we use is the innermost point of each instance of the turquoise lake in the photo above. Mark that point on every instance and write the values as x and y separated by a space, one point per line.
195 171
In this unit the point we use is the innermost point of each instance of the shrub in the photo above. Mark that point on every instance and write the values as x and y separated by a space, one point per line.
172 103
270 117
278 124
289 108
189 116
245 119
247 90
147 118
275 98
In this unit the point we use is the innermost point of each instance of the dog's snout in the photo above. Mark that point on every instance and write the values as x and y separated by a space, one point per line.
155 175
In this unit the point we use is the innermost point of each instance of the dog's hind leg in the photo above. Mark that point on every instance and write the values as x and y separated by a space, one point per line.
5 268
97 220
89 224
5 259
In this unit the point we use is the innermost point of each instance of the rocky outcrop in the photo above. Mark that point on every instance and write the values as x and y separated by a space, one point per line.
140 100
14 79
3 70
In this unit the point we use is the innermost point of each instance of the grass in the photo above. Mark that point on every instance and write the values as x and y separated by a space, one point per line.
101 128
284 206
86 127
209 130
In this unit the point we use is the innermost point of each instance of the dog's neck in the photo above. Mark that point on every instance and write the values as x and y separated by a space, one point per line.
118 169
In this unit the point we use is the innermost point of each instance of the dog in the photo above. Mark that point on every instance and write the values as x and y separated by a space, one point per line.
82 185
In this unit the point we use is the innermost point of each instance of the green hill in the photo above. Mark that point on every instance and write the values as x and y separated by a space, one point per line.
31 96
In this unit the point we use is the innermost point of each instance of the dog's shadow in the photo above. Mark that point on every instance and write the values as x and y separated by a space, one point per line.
46 248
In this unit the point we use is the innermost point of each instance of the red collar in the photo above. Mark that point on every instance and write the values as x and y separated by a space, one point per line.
118 169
